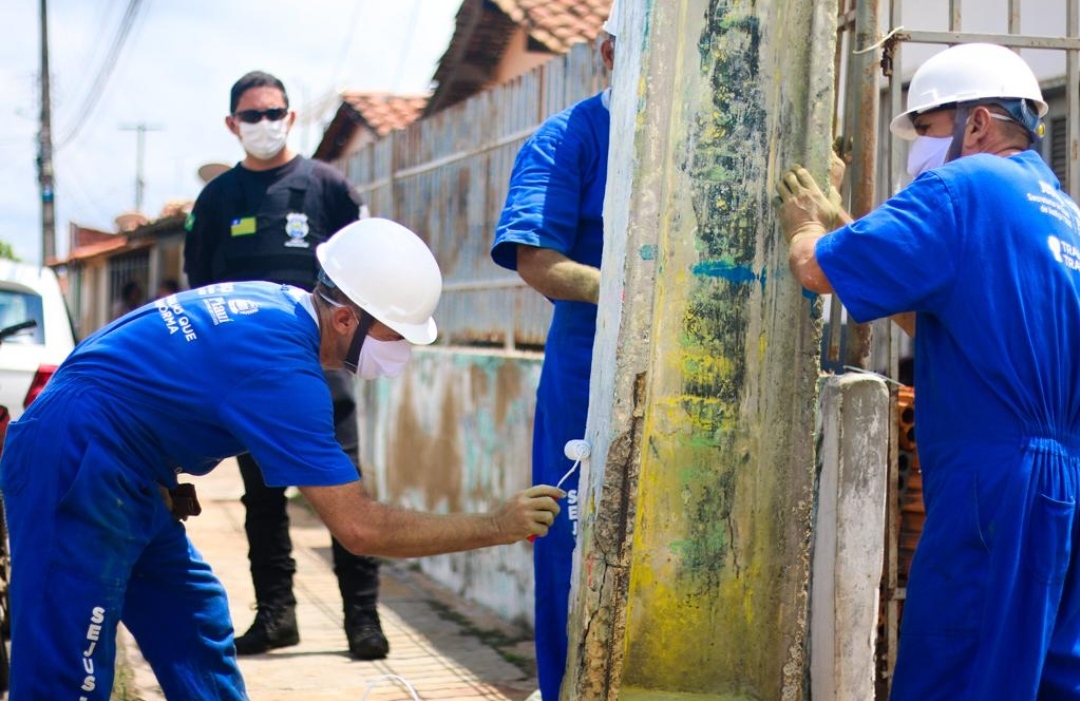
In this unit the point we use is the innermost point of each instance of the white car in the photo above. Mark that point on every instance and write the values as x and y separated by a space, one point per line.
30 357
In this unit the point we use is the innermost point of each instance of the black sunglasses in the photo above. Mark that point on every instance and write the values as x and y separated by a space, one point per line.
274 114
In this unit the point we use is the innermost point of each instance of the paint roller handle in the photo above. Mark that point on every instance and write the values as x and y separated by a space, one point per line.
576 450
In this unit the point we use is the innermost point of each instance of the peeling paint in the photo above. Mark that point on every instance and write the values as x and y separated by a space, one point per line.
454 434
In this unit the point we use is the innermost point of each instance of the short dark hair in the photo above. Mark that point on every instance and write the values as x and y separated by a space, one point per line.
130 288
254 79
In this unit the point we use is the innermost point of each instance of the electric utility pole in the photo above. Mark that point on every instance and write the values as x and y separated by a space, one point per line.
140 157
45 163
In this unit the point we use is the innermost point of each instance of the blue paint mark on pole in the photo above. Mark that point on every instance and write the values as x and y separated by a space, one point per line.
741 274
648 251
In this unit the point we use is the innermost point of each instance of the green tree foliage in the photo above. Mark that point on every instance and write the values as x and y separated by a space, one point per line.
7 252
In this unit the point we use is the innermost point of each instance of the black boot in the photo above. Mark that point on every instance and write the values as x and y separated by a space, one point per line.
365 634
273 628
358 579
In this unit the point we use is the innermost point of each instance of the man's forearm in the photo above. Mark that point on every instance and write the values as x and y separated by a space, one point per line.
557 277
367 527
395 532
803 262
906 321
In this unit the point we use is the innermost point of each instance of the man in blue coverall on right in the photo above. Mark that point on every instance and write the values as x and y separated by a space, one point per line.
984 248
552 232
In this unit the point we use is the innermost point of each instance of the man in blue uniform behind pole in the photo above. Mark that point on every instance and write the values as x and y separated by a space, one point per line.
984 248
552 232
222 369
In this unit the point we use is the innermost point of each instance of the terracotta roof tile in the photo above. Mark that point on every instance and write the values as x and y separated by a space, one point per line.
93 249
383 112
483 30
558 24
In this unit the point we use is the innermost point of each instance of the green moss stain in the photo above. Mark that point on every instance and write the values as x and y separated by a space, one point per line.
709 532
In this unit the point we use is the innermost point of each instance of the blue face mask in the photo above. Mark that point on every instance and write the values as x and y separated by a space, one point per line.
927 153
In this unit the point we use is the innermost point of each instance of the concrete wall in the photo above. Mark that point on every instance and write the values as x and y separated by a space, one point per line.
452 434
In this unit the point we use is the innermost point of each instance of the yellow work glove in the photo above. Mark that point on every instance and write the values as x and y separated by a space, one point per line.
802 206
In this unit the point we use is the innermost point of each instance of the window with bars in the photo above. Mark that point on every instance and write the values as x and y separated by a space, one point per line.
125 269
1058 152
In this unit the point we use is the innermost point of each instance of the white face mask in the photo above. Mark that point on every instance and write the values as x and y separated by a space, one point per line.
265 139
927 153
383 358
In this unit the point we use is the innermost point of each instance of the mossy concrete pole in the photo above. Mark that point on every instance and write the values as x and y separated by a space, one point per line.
692 568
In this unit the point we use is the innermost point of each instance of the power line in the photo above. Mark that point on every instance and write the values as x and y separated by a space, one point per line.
104 72
347 45
83 203
408 45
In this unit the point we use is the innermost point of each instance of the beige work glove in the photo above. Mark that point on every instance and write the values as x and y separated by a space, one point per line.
802 206
841 156
837 167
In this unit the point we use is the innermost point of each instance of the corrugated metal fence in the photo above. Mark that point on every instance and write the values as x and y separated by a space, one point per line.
446 178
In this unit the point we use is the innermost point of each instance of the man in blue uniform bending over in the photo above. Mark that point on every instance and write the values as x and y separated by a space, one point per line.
984 248
552 232
222 369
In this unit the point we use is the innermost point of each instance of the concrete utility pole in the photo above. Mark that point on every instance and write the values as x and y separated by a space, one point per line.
45 164
693 565
140 157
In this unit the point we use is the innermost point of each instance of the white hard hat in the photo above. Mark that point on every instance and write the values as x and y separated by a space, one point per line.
389 272
967 73
609 23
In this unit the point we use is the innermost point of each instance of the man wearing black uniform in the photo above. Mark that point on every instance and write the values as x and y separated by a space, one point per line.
261 220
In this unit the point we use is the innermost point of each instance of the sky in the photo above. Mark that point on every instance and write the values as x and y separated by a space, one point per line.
173 73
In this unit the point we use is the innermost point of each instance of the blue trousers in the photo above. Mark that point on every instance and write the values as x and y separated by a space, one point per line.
993 601
92 545
553 555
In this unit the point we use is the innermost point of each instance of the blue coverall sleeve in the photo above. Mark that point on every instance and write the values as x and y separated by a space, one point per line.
286 421
901 257
544 201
